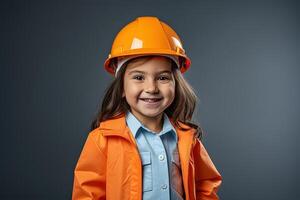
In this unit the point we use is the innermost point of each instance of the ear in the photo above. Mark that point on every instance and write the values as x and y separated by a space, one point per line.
123 94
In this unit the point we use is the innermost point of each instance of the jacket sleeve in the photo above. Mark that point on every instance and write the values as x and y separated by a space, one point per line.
208 179
90 171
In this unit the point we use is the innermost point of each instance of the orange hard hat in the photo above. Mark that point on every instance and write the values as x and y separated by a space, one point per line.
146 36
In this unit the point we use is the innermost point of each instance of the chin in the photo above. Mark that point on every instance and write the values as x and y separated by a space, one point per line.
151 114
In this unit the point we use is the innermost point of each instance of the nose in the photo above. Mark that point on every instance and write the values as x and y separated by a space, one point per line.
151 86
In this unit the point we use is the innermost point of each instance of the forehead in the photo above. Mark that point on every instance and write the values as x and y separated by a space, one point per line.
152 64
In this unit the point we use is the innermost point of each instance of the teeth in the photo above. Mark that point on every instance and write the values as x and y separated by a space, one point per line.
150 100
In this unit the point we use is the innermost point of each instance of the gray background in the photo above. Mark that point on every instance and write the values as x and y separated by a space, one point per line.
245 69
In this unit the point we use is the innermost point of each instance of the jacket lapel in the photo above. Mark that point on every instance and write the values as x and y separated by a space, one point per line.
185 142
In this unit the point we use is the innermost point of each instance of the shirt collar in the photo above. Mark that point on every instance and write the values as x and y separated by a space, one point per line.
135 125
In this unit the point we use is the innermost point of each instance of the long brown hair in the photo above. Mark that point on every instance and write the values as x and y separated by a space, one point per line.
181 109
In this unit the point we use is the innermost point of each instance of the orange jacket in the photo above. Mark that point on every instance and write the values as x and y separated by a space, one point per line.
110 168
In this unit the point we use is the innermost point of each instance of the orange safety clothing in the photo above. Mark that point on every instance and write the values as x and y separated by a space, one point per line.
109 166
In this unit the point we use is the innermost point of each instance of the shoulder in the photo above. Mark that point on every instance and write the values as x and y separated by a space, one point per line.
97 137
187 128
110 127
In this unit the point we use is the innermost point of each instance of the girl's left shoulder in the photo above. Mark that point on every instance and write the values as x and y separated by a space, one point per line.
189 128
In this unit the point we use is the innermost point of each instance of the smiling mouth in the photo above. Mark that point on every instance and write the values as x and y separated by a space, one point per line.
151 100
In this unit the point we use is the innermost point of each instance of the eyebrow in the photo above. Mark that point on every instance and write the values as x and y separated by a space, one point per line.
142 72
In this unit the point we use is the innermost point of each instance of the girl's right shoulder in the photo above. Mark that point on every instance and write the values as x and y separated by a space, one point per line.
96 136
106 127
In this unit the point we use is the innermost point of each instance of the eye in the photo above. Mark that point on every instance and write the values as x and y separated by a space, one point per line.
163 78
138 77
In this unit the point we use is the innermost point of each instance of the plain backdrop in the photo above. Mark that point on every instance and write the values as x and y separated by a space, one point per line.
245 70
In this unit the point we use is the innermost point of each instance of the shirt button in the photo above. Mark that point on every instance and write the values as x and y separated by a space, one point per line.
164 187
161 157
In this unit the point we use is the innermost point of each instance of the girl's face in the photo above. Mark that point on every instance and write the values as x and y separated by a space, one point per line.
149 87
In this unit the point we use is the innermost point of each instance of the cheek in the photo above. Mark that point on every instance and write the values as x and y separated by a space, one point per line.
126 90
172 94
130 91
170 91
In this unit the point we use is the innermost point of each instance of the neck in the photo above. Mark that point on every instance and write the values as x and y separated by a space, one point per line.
154 124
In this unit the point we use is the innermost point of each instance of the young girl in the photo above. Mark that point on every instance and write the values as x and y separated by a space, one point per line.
142 144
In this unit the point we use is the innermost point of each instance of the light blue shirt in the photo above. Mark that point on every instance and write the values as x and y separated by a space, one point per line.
162 177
